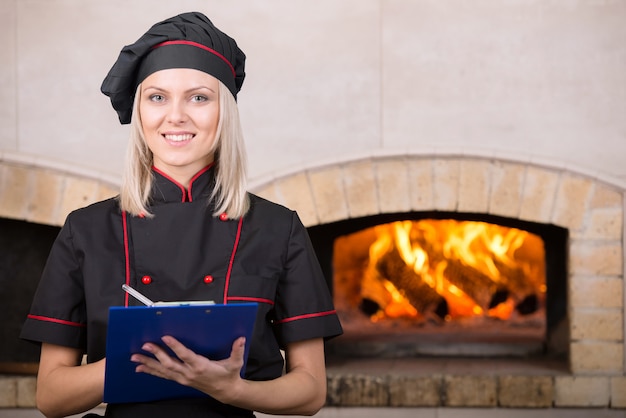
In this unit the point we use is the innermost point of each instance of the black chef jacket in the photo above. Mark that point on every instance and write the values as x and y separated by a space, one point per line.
183 253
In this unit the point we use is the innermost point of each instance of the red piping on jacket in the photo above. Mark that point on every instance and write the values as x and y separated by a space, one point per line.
198 174
251 299
58 321
305 316
180 186
125 226
187 196
232 259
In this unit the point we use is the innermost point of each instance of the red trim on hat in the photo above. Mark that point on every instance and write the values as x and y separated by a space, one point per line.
196 44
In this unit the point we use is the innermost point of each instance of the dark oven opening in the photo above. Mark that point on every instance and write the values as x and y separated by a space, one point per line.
445 284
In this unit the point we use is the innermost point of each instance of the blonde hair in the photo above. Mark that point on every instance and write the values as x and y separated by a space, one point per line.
229 195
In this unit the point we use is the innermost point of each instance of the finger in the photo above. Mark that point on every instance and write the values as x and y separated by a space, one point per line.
142 360
147 364
183 353
238 350
163 358
161 365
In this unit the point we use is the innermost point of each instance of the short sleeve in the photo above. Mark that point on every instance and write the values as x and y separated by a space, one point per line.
57 314
304 306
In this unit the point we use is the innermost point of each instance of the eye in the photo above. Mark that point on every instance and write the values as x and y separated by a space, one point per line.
198 98
156 98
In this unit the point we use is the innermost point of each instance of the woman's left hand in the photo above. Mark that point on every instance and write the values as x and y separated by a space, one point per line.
190 369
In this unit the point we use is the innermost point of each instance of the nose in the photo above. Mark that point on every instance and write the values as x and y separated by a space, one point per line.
177 112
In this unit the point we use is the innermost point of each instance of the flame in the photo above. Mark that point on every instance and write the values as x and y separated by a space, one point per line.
399 306
436 251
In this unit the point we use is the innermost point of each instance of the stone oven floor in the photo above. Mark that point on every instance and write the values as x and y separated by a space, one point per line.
441 387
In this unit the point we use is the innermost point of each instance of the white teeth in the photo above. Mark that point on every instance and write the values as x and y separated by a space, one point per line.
178 138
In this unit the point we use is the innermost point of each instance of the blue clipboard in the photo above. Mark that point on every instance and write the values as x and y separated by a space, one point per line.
209 330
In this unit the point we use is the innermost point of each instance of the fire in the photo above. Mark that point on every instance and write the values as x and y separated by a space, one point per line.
452 269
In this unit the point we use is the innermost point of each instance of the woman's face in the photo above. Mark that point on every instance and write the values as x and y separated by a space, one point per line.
179 112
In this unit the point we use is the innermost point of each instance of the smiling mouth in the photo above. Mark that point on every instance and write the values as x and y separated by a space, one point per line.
178 137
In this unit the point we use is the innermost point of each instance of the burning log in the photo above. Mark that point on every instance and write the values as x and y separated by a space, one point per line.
484 291
425 267
424 298
528 305
521 290
514 279
475 284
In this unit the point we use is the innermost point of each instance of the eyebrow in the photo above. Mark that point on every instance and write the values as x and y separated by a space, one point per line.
186 91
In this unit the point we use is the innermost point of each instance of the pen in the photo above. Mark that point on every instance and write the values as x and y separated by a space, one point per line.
141 298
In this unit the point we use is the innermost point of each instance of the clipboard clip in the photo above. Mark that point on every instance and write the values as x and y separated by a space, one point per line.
143 299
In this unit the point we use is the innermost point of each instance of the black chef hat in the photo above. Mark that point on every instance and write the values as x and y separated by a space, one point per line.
188 40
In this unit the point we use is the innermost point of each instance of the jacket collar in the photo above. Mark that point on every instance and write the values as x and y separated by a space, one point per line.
167 190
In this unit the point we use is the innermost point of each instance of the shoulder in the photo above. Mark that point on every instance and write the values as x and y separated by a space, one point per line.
259 204
270 214
99 210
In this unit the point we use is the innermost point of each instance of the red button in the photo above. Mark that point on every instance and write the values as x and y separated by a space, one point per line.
224 217
146 280
208 279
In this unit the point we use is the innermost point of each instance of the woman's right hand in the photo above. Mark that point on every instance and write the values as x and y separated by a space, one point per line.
64 385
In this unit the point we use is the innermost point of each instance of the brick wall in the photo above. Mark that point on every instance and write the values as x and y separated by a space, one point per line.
46 196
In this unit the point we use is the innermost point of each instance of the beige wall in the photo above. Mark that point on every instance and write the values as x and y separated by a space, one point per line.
331 81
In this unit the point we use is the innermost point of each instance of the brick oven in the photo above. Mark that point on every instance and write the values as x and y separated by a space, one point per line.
581 350
585 334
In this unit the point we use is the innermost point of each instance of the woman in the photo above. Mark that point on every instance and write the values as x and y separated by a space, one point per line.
183 228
